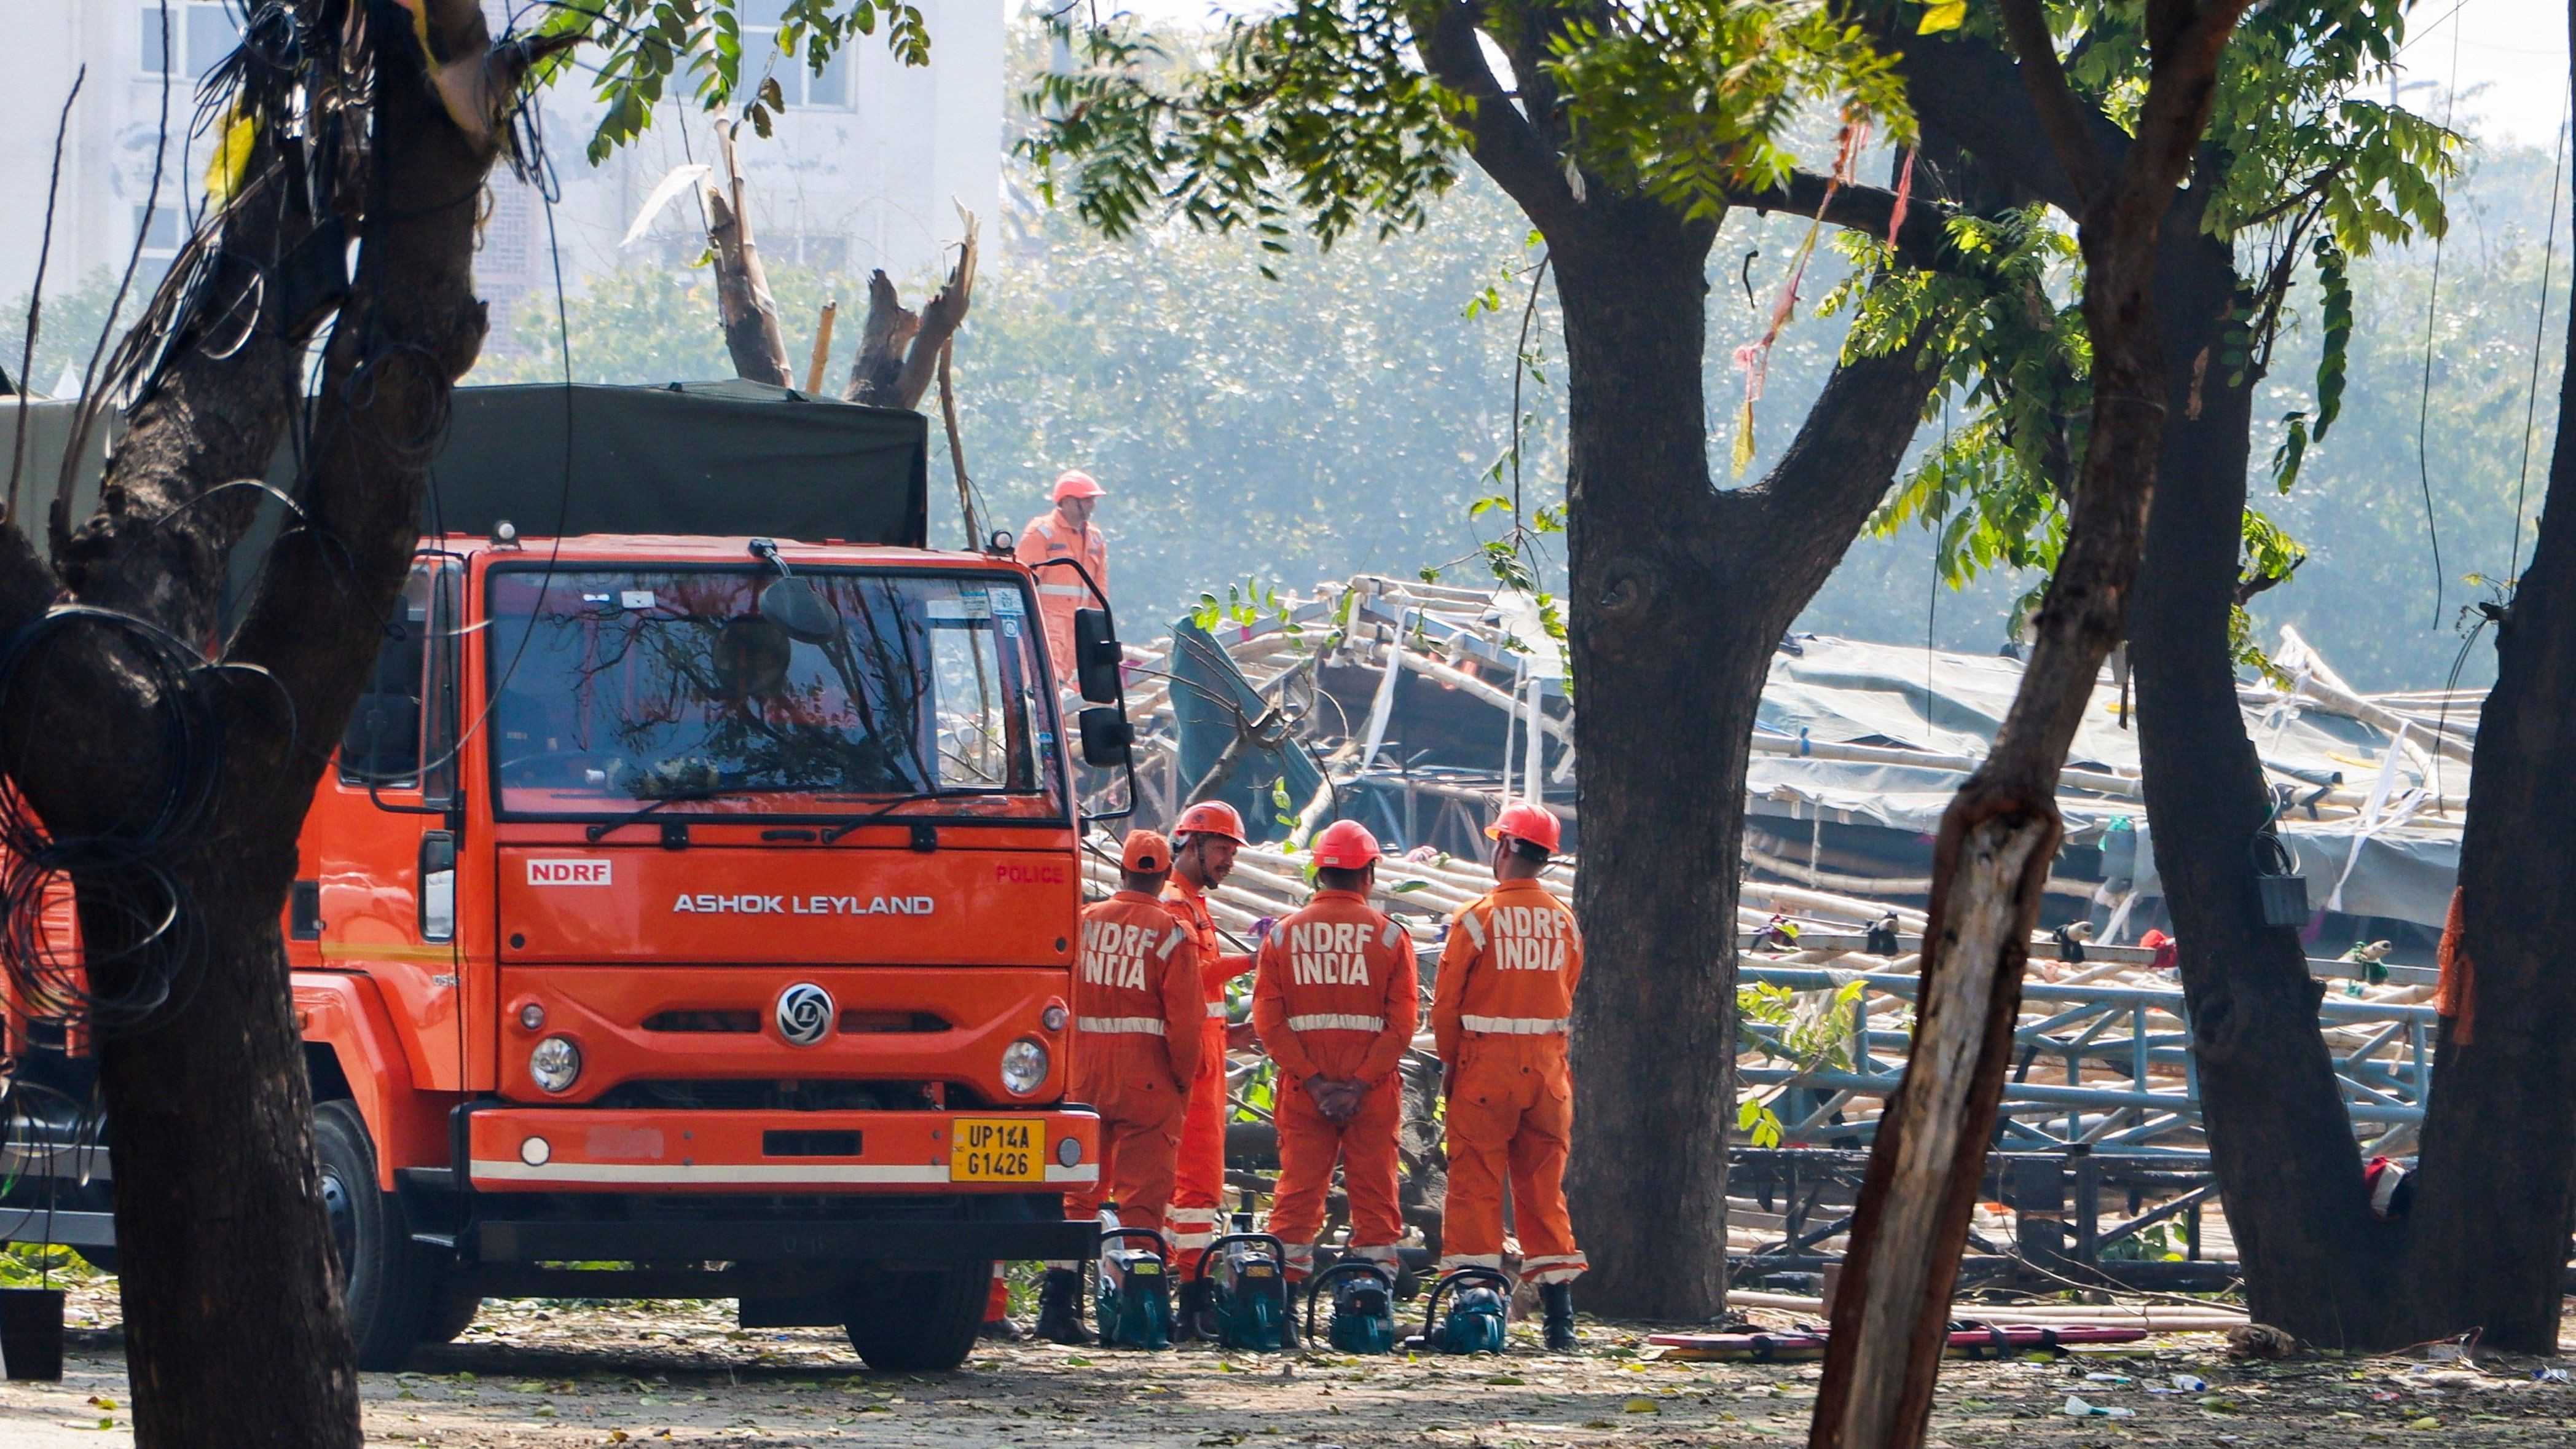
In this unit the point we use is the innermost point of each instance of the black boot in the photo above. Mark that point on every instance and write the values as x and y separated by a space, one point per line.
1060 1308
1558 1301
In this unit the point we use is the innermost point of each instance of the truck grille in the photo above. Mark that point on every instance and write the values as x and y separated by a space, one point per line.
761 1094
746 1023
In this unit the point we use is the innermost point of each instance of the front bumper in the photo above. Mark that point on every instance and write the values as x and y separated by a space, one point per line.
820 1235
592 1150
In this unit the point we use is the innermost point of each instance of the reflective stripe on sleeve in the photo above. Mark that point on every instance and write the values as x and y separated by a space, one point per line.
1216 1010
1516 1025
1336 1021
1114 1025
1171 943
1475 928
1387 937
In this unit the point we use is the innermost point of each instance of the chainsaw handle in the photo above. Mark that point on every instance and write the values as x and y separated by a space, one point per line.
1347 1268
1458 1277
1278 1249
1162 1245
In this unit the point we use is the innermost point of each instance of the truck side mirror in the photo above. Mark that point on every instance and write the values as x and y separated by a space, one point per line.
438 885
1106 736
1096 656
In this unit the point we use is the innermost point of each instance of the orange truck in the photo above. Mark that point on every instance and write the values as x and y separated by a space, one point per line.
685 914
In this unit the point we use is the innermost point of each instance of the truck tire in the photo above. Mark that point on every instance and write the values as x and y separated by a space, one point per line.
921 1322
450 1314
390 1278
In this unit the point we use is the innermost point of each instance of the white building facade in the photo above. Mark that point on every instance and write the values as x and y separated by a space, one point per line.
860 173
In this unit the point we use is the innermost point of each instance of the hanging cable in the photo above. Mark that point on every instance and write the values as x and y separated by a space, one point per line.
2539 334
2432 299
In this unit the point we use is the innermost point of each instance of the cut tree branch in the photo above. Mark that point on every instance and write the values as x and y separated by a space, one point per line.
743 303
899 351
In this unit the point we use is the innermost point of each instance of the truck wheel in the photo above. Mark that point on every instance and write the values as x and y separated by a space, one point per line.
921 1322
451 1314
390 1278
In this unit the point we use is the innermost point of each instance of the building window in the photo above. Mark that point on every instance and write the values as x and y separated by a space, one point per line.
202 32
803 89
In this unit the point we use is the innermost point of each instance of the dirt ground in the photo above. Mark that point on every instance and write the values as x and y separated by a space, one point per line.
543 1375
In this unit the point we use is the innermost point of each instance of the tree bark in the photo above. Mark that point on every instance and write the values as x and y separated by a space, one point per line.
2316 1263
743 303
1996 840
2488 1235
234 1330
899 352
1680 594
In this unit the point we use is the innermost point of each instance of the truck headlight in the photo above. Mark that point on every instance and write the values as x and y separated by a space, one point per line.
1024 1066
556 1064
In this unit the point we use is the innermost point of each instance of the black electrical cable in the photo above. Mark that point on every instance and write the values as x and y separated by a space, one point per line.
2432 300
2539 334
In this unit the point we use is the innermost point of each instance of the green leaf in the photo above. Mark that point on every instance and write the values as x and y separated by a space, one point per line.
1942 15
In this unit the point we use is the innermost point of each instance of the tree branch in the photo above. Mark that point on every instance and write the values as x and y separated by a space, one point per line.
2061 116
1812 503
1922 242
1969 94
1500 138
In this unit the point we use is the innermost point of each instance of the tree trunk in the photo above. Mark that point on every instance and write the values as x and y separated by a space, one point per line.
234 1332
2488 1235
1679 595
743 303
1997 838
2316 1263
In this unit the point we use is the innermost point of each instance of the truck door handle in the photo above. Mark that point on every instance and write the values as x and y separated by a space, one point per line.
438 885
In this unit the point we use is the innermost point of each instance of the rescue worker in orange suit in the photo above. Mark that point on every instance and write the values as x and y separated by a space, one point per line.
1204 841
1334 997
1065 532
1499 1013
1136 1046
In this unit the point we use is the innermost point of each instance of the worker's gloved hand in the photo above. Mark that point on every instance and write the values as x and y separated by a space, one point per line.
1241 1037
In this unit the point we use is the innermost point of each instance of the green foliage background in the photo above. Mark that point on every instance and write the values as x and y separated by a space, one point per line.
1345 416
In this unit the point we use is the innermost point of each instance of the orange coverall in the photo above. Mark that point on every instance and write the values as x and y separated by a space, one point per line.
1335 995
1199 1193
1498 1020
1136 1045
1061 590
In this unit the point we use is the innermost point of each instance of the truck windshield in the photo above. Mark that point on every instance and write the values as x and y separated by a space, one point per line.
635 685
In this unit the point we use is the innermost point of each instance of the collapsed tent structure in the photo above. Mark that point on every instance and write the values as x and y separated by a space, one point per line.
1419 709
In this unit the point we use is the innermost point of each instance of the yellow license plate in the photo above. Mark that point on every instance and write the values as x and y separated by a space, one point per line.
996 1149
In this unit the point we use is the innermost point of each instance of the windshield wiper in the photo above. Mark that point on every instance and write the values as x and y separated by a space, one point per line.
608 827
846 826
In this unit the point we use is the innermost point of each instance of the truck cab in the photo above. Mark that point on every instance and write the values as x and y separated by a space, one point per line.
692 915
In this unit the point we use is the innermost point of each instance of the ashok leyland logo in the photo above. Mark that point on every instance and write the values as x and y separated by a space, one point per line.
804 1014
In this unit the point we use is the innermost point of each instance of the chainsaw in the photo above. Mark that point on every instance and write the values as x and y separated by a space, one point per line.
1477 1301
1251 1291
1363 1306
1135 1296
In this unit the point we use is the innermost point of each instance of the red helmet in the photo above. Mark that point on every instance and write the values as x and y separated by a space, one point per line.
1345 845
1074 483
1210 817
1525 820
